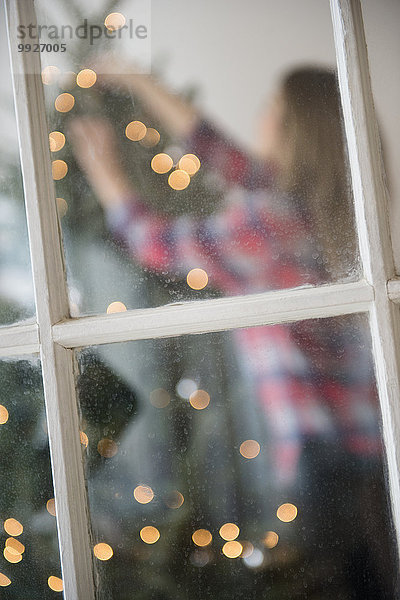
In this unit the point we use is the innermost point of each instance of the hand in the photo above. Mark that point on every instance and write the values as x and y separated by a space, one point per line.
95 148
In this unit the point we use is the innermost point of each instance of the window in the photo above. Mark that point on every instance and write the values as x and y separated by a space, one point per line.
67 341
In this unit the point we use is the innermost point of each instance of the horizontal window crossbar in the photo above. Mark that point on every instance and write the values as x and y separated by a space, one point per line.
216 315
19 340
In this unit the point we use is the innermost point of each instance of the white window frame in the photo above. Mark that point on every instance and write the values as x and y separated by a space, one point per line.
56 335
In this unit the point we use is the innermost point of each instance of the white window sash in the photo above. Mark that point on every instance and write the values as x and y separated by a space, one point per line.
59 334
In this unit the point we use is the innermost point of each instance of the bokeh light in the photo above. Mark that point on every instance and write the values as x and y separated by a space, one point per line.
151 138
197 279
84 439
114 21
185 387
143 494
86 78
189 163
135 131
103 551
160 398
232 549
64 102
161 163
56 141
255 560
51 507
149 534
202 537
116 307
248 549
107 448
62 207
55 583
179 180
11 557
3 415
271 539
50 75
229 531
13 527
4 580
67 80
250 449
59 169
287 512
174 499
14 546
199 399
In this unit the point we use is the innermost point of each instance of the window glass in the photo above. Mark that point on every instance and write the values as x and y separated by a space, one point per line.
16 290
244 464
29 560
195 155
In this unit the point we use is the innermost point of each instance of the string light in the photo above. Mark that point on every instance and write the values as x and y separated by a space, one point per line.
64 102
3 415
159 398
174 499
135 131
4 580
51 507
229 531
107 448
232 549
55 583
287 512
103 551
189 163
202 537
271 539
56 141
62 207
86 78
199 399
116 307
250 449
197 279
59 169
50 75
13 527
161 163
179 180
149 534
143 494
114 21
151 138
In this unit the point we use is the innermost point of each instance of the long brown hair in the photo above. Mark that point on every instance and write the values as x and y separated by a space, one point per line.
314 166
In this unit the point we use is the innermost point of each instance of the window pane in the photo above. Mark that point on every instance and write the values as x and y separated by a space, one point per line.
223 173
244 464
16 290
28 533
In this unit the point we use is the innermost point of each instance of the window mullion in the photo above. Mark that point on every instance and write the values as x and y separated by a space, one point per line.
219 314
372 221
52 306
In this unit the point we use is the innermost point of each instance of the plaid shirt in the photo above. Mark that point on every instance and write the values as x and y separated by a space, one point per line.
313 378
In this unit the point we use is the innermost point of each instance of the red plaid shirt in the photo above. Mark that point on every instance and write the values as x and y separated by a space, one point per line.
313 378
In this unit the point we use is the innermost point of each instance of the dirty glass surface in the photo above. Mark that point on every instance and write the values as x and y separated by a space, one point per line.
195 155
16 290
29 559
245 464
